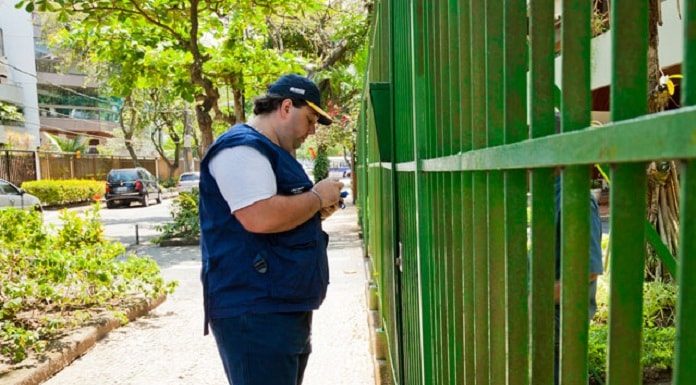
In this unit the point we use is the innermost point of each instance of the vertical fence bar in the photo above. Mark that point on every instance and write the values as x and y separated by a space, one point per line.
685 352
399 68
420 118
575 115
543 229
479 194
629 26
7 170
403 91
432 193
685 349
395 335
455 272
496 198
517 318
467 104
439 192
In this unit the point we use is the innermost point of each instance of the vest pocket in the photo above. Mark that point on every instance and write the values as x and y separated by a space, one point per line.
293 269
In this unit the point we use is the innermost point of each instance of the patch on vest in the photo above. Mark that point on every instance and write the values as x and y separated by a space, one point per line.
297 190
260 264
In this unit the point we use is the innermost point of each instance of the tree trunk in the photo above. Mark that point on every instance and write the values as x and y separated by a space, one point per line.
239 114
131 150
663 178
172 165
209 98
128 131
205 125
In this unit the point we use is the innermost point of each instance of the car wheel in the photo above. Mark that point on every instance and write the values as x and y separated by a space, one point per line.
110 204
159 197
145 201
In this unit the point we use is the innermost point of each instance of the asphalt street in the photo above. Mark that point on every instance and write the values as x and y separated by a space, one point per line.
120 223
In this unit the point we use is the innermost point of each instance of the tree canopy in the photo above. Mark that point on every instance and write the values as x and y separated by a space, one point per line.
213 54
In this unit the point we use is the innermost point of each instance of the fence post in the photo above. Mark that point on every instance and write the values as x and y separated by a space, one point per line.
48 166
37 165
72 167
7 164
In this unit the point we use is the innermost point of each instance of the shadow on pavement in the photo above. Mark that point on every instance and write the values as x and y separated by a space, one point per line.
168 256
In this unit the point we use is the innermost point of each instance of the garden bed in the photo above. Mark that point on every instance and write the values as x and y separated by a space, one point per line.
55 282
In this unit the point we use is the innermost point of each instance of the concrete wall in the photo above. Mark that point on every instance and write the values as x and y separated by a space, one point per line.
19 88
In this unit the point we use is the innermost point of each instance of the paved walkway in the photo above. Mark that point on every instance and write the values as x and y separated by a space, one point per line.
168 347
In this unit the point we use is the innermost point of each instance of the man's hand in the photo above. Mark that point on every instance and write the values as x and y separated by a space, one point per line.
329 191
328 211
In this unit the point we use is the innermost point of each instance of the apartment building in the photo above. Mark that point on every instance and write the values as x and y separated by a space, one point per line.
69 102
18 90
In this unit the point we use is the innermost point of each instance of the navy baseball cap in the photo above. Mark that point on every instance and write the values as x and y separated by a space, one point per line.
300 87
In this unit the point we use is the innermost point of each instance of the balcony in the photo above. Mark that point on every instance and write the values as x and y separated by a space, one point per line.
77 119
64 80
11 93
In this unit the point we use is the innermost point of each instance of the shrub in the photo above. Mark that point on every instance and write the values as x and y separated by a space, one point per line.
53 281
168 183
659 300
321 164
657 353
62 192
185 213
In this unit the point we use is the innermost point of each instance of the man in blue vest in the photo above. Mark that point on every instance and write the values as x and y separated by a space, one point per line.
265 267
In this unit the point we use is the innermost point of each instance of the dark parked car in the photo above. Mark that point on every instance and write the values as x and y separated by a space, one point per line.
131 184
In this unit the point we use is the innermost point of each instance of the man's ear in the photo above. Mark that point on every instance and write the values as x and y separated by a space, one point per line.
285 107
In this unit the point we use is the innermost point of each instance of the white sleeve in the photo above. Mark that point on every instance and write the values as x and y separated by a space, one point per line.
243 175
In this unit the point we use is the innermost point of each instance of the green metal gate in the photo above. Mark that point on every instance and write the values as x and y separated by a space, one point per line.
457 128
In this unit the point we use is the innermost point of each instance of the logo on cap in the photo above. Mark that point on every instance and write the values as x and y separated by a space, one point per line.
297 90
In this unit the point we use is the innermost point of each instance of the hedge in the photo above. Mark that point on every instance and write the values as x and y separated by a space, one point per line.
61 192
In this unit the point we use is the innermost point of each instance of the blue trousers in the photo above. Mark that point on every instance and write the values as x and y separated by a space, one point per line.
264 349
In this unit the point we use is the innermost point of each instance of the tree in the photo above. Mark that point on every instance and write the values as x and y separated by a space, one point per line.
216 43
167 119
130 122
321 164
663 177
335 40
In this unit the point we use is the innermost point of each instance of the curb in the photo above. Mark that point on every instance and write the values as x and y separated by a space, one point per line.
378 338
75 345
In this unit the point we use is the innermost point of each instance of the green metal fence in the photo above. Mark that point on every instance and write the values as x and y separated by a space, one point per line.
457 128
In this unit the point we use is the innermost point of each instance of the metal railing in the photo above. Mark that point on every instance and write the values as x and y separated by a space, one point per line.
449 147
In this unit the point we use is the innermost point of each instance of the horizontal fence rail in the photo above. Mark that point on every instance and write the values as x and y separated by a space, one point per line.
474 178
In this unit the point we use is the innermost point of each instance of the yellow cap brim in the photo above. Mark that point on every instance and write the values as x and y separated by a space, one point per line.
324 118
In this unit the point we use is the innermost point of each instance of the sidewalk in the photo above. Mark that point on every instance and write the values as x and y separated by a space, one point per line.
168 347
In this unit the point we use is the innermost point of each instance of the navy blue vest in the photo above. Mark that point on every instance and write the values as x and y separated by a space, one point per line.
260 273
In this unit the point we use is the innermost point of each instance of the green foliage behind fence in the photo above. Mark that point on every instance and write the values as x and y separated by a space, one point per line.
62 192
